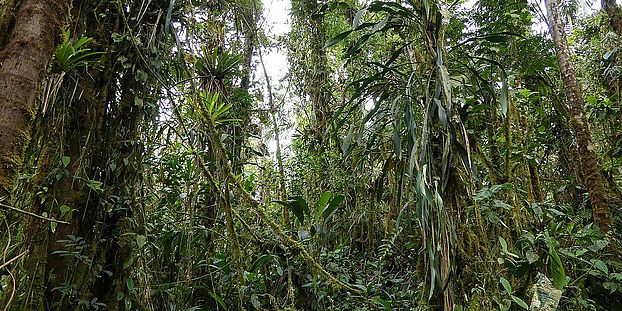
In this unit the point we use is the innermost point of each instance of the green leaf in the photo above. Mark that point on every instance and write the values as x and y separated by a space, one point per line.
504 244
520 302
608 55
397 145
338 38
138 102
598 245
140 240
169 14
260 262
557 269
65 160
321 203
385 304
298 206
129 283
504 93
506 285
95 185
357 18
380 24
332 207
601 265
249 276
592 100
53 226
255 301
442 114
64 209
219 300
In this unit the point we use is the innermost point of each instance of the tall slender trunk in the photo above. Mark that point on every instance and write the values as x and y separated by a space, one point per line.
316 84
614 12
22 62
589 163
250 34
282 191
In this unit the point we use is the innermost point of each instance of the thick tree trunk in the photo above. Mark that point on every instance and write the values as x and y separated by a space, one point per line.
591 170
73 131
121 226
22 62
614 12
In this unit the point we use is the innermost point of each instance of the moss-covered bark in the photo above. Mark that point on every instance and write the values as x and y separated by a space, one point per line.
23 60
309 16
7 17
614 12
590 168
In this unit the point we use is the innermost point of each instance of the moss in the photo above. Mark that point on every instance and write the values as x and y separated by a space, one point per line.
6 18
476 301
9 163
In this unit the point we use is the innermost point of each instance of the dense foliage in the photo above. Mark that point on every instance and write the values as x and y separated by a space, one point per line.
416 155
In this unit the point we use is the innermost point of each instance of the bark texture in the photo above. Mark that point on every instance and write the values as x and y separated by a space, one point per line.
23 60
614 12
589 163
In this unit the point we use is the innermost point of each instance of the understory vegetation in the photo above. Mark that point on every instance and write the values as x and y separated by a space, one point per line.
410 155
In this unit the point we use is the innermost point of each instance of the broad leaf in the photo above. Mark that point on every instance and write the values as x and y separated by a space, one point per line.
338 38
557 269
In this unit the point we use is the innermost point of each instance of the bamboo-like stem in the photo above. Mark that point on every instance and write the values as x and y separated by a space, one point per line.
279 156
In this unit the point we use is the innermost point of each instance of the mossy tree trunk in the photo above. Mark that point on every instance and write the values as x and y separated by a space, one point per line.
7 17
589 162
23 60
310 15
96 124
614 12
122 226
71 127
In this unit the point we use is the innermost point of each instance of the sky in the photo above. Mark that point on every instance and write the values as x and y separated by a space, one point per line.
277 21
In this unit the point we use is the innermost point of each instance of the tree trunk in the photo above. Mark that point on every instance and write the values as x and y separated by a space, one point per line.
316 84
615 15
591 170
22 62
250 34
282 190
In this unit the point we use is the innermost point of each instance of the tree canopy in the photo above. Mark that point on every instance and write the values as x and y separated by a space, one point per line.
409 155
